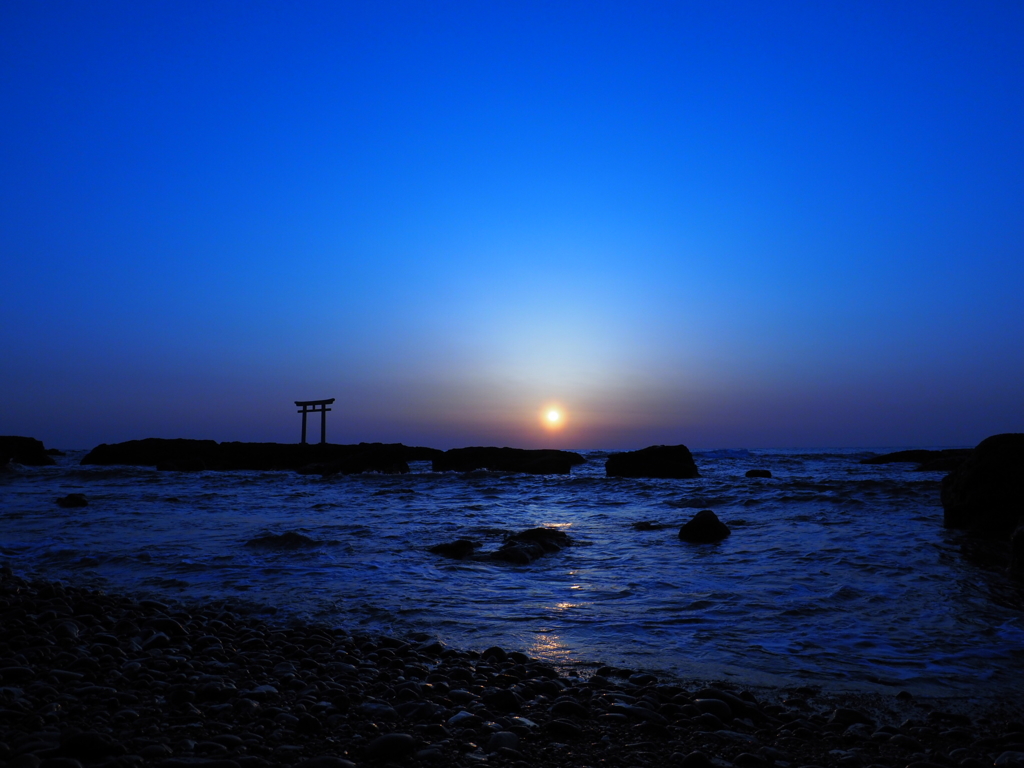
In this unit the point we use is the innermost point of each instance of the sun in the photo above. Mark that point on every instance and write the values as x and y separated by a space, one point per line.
552 417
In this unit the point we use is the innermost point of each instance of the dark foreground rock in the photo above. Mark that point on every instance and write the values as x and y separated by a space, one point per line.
192 455
539 462
519 548
24 450
985 495
658 461
704 528
93 679
944 460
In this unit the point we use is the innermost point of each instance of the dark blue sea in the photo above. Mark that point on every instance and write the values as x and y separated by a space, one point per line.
836 574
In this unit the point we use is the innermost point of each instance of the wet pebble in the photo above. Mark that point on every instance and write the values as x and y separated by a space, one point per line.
390 746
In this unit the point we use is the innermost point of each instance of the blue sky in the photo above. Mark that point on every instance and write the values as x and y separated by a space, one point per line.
718 224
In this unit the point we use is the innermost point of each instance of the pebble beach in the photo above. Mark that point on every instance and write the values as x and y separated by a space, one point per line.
89 678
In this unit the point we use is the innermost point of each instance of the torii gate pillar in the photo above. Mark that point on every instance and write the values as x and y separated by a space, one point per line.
315 406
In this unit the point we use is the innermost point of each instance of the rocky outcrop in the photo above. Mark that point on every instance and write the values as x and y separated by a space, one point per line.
372 457
191 455
704 528
536 462
985 495
659 461
758 473
520 548
944 460
24 450
1017 552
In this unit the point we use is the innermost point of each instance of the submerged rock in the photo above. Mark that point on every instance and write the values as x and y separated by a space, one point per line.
659 461
758 473
985 494
704 528
648 525
289 540
72 501
539 462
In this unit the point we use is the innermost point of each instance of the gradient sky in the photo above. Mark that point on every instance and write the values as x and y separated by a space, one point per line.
718 224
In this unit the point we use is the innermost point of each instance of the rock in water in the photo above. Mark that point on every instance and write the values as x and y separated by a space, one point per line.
534 462
647 525
986 493
520 548
526 546
24 450
664 461
311 458
758 473
459 549
943 460
72 500
704 528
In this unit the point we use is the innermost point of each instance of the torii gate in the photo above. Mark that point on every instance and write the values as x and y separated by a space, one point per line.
315 406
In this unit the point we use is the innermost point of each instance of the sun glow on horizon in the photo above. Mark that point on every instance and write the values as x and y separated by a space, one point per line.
552 417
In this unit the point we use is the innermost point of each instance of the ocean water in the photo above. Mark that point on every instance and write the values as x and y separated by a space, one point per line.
836 574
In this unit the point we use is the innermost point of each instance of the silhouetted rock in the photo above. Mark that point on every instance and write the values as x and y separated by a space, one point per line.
526 546
190 455
520 548
1017 551
459 549
704 528
539 462
985 494
372 457
758 473
24 450
72 500
182 465
289 540
944 460
663 461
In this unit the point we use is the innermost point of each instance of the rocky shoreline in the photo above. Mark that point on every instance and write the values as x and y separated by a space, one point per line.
90 679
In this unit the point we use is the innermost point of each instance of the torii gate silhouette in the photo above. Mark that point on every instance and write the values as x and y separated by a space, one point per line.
315 406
